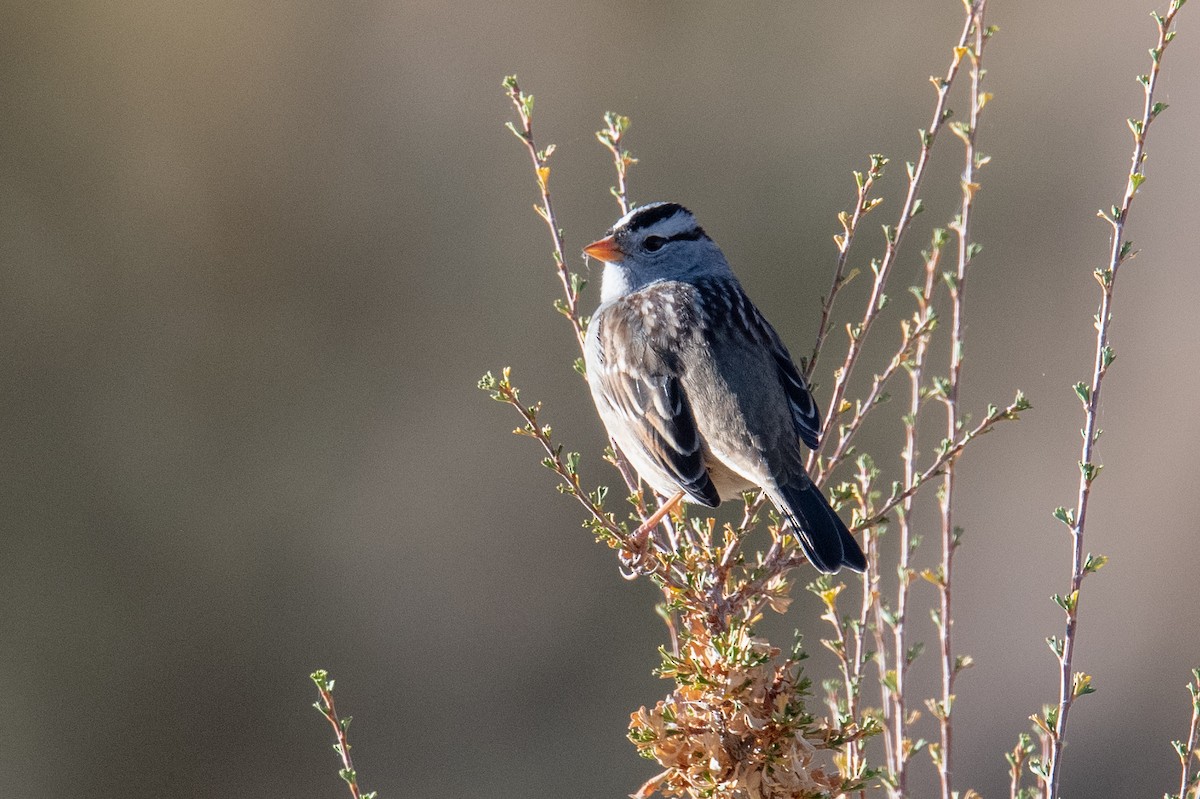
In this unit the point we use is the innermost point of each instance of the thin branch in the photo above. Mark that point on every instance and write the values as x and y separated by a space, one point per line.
863 205
1187 750
571 282
952 664
327 709
635 553
894 235
911 336
779 560
610 135
947 452
1071 684
894 699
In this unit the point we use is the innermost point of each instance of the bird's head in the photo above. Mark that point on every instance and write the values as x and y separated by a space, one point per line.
660 241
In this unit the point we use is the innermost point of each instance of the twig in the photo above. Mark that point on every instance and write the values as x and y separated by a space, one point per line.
894 235
911 336
327 709
868 596
1017 759
779 560
951 664
571 282
566 467
1071 684
947 452
863 205
894 702
1187 751
610 135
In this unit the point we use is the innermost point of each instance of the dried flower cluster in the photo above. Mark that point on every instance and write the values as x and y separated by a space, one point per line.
735 727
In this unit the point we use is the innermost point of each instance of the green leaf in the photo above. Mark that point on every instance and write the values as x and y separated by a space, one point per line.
1094 563
1068 602
1065 516
1090 471
1084 392
1082 684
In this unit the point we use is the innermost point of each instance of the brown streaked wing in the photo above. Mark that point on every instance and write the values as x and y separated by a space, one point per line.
639 378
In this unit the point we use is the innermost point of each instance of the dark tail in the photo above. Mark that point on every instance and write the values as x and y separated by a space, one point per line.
823 537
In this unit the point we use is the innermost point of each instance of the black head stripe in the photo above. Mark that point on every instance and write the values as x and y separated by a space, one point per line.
651 214
689 235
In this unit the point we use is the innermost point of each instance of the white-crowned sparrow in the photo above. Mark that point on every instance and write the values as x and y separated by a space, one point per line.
694 385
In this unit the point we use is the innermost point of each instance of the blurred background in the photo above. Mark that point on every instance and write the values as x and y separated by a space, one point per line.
256 256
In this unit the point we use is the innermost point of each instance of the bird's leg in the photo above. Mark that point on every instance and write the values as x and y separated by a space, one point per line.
639 535
637 540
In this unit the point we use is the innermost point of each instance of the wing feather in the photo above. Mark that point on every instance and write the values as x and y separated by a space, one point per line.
805 413
637 375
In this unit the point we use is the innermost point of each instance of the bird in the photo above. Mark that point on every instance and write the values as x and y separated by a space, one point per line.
695 387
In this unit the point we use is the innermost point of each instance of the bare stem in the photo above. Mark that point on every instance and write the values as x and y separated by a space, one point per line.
780 559
571 282
610 135
523 103
635 553
912 335
894 698
1187 750
947 452
327 709
1071 684
863 205
952 664
894 235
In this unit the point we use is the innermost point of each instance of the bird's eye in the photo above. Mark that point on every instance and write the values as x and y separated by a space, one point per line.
654 243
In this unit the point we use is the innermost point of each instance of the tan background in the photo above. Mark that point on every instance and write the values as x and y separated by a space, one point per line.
256 255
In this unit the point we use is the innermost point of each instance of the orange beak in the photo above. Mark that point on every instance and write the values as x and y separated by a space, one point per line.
605 250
